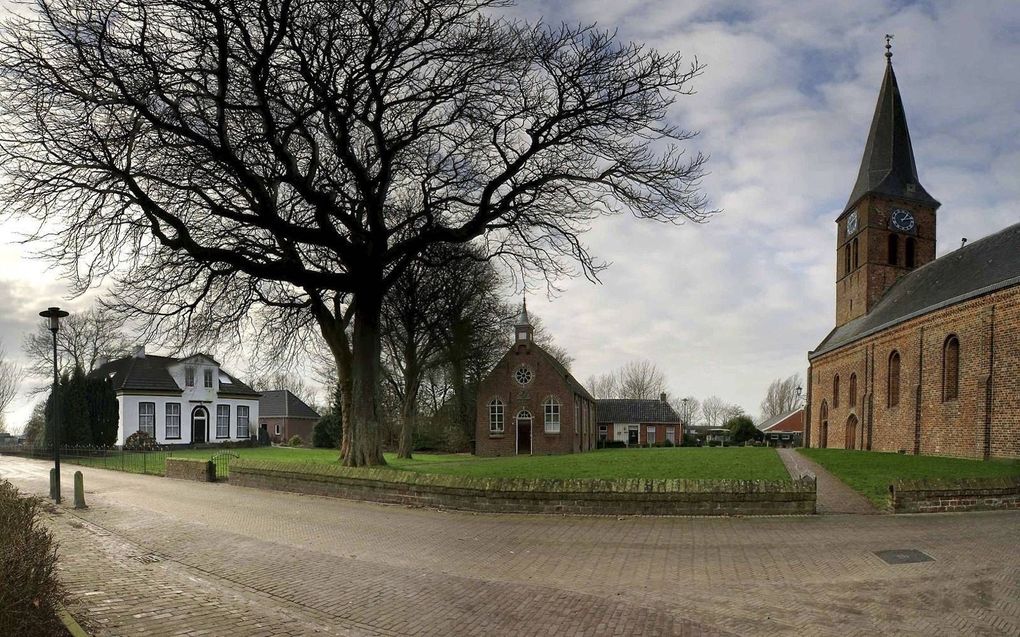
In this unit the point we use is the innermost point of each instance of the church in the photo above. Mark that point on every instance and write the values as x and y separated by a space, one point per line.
530 404
925 354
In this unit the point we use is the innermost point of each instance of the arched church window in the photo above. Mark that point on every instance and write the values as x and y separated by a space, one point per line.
846 258
823 415
853 390
495 416
835 391
908 252
857 254
951 368
551 407
894 249
894 379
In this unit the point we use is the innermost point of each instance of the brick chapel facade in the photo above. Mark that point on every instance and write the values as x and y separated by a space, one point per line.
530 404
925 354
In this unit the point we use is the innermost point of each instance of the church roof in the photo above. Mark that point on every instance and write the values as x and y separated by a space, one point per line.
634 411
979 268
887 166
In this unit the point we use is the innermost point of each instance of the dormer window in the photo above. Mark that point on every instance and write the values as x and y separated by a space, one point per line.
189 376
208 377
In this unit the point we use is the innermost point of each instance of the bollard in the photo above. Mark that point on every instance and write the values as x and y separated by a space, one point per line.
79 490
54 487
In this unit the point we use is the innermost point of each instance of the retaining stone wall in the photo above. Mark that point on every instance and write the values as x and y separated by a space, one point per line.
941 496
504 495
190 469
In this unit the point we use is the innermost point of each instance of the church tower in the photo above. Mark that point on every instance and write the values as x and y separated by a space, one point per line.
887 228
524 332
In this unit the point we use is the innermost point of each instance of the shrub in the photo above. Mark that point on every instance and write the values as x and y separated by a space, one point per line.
29 590
613 444
140 441
295 441
326 433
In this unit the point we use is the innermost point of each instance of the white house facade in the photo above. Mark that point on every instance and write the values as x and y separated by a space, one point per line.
181 401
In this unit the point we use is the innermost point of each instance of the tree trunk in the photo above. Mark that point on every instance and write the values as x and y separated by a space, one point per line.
334 330
365 448
409 409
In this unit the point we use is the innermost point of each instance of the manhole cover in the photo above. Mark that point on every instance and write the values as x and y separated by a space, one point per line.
904 556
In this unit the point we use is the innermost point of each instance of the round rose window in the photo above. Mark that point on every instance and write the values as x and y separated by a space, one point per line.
523 375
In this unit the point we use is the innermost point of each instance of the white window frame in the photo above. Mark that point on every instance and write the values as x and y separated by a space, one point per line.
222 420
650 434
551 415
207 376
497 417
172 421
603 432
671 434
189 376
147 418
243 421
278 426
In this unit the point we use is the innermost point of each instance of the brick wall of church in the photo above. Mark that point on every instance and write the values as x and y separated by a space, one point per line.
988 329
500 383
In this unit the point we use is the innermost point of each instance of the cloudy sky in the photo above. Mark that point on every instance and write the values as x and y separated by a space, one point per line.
783 109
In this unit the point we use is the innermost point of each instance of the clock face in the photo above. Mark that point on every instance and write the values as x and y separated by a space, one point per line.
902 220
851 223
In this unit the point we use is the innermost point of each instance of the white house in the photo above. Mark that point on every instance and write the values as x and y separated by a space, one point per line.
180 400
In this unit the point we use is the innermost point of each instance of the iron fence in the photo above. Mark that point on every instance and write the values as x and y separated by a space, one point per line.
222 463
150 461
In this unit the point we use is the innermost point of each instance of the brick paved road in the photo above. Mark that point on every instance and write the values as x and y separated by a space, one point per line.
833 495
160 557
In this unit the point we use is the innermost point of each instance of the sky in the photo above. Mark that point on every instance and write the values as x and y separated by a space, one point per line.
783 110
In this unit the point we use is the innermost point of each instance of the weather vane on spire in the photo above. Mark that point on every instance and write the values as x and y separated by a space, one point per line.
888 47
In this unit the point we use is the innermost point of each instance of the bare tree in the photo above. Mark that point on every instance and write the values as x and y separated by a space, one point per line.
782 397
10 381
605 385
635 379
715 411
230 165
83 340
689 409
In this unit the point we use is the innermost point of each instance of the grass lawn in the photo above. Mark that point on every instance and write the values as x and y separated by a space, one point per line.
870 473
717 463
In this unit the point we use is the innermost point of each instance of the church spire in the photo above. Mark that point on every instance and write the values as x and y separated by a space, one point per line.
887 167
522 326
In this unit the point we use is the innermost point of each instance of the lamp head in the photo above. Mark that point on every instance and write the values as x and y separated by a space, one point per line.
54 314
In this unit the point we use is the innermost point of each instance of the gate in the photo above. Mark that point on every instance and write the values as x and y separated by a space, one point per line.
222 463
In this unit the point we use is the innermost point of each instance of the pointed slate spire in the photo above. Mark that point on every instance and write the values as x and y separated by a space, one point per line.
887 166
522 326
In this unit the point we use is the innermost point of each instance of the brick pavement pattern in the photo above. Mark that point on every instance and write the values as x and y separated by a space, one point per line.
832 495
154 556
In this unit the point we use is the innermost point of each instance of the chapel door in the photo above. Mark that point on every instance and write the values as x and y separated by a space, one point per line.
524 432
851 432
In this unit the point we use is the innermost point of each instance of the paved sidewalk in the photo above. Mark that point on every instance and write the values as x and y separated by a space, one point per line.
834 496
154 556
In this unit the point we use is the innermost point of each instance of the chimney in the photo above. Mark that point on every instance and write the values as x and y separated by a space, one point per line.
662 396
140 351
963 242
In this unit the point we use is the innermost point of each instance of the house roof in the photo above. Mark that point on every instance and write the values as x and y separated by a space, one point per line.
887 166
790 422
634 411
281 403
981 267
151 373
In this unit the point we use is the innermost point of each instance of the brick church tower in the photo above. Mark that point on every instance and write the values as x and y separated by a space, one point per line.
887 228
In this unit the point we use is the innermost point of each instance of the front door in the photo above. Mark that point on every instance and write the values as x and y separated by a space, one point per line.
524 432
632 435
851 432
199 424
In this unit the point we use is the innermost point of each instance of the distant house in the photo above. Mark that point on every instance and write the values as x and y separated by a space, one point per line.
638 422
283 415
784 430
180 400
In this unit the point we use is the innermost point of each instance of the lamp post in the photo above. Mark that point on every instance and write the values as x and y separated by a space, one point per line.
687 414
800 390
54 314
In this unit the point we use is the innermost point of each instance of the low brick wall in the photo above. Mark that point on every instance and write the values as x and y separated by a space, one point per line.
509 495
190 469
941 496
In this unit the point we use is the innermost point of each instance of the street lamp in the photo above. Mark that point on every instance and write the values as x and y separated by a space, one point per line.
687 414
54 314
800 390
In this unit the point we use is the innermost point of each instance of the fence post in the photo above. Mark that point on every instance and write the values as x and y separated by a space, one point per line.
79 490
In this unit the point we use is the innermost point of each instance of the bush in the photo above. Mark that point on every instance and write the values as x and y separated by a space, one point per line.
140 441
612 444
295 441
326 433
29 590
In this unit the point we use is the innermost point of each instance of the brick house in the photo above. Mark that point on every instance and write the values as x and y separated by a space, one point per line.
784 430
530 404
638 422
284 415
925 354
